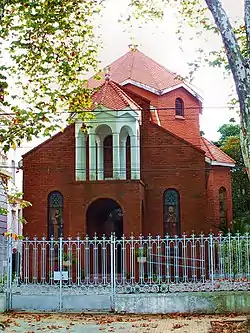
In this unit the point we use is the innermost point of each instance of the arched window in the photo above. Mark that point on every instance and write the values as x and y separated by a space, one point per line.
223 206
108 156
55 214
128 158
179 107
171 205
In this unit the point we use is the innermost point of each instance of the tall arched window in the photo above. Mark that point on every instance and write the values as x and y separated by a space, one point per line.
179 107
108 156
171 205
223 206
55 214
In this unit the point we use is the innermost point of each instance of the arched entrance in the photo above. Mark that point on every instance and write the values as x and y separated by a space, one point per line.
104 216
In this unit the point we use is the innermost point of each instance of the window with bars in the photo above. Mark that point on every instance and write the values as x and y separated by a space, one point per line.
55 214
171 206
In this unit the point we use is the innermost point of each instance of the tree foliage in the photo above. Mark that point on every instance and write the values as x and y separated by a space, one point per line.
51 43
229 142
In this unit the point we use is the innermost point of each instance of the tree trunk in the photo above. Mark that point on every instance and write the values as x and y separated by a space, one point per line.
240 68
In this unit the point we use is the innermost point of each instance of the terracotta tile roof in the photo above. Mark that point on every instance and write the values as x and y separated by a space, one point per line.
137 66
215 153
112 97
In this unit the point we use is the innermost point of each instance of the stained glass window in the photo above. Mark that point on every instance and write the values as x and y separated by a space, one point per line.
179 107
55 214
223 206
171 202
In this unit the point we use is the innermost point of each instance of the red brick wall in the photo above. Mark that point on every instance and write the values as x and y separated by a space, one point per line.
50 167
167 117
218 177
172 164
166 162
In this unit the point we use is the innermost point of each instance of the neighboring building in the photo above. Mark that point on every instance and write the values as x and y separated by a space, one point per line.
142 167
4 178
9 221
14 211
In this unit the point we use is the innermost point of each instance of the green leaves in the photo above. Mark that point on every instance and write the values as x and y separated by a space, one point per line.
51 45
230 143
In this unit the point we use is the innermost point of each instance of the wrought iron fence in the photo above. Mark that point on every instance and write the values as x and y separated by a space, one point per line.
3 263
133 264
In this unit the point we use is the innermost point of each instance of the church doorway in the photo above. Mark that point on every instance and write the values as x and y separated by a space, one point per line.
105 216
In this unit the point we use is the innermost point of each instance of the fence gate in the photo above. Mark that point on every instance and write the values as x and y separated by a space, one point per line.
61 275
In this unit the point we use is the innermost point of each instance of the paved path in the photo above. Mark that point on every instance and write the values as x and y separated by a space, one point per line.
78 323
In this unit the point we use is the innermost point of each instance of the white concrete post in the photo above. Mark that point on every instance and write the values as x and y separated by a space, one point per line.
138 160
92 156
80 154
116 156
100 161
123 158
135 151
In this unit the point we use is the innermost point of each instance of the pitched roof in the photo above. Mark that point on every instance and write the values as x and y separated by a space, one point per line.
112 97
136 66
215 153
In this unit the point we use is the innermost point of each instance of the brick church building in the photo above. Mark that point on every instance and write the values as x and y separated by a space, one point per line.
141 167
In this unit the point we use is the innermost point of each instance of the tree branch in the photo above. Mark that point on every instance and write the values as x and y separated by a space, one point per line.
247 22
235 58
239 67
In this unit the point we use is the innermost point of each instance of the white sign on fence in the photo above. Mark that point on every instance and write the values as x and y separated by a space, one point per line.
58 276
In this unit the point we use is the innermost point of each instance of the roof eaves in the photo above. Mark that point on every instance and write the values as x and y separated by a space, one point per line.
221 151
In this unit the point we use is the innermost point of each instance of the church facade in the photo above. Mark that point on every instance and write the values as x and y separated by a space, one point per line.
140 167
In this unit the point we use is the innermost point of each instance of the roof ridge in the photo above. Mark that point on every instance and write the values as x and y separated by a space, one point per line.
132 64
171 72
205 143
146 66
122 93
104 91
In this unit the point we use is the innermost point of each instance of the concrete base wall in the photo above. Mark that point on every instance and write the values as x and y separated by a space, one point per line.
189 302
3 302
69 302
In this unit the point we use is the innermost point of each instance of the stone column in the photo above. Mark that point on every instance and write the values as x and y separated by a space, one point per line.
80 155
100 161
135 157
92 156
116 156
123 158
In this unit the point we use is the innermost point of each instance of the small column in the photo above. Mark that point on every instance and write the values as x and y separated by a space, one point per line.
116 156
135 157
92 157
123 173
138 160
100 162
80 156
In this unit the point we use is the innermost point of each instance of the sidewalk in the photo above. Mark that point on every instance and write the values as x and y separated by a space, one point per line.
97 323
